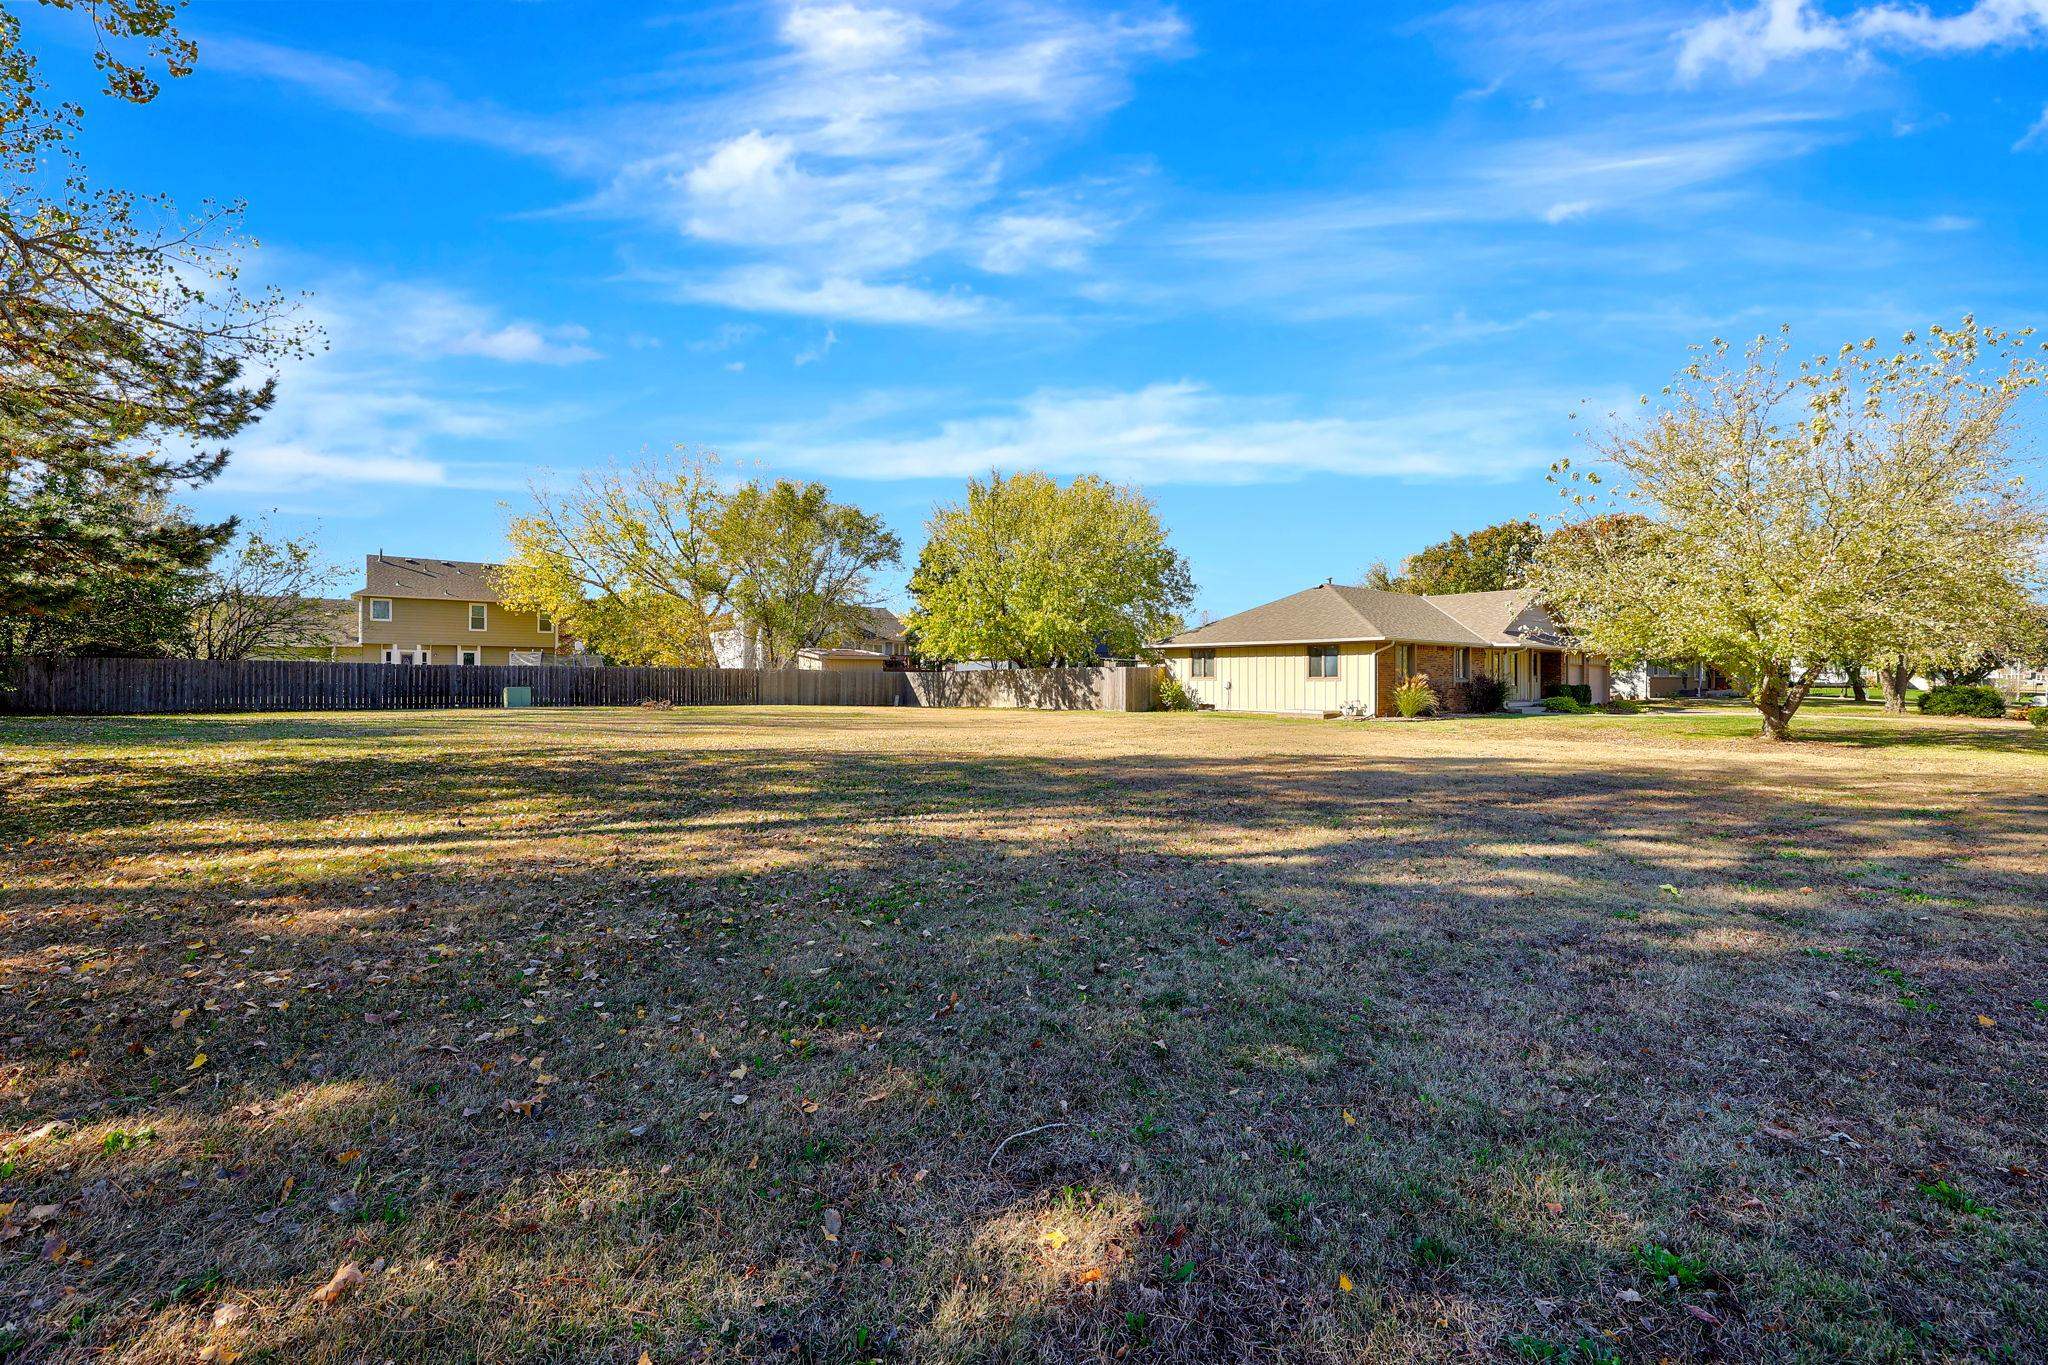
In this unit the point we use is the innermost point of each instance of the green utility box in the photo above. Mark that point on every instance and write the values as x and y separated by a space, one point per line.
518 696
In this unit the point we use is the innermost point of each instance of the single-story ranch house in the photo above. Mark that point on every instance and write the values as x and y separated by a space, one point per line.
1316 651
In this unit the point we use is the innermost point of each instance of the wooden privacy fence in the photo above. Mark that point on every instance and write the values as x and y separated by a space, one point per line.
144 686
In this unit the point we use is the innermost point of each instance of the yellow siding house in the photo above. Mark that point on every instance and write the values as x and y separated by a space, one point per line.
1331 647
442 611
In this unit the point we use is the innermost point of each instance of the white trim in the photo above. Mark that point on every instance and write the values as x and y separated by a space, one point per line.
473 607
385 619
539 629
461 650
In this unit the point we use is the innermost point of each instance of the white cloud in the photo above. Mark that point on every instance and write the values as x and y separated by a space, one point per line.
426 321
868 145
810 355
2036 136
1184 432
1749 41
1013 243
780 289
1565 212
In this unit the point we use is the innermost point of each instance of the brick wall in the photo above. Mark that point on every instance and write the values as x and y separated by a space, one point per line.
1438 663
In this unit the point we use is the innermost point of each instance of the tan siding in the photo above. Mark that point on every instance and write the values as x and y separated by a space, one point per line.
1274 679
444 626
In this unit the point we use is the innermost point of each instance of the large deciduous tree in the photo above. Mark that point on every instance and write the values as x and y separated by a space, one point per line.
1490 559
645 564
801 566
1034 574
626 561
123 339
1860 505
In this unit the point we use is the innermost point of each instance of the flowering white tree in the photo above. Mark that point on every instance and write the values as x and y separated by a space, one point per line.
1769 516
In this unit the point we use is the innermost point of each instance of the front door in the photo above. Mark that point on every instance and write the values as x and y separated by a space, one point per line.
469 656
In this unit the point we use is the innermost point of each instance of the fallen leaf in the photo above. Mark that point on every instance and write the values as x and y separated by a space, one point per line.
198 1060
1986 1021
345 1280
228 1314
1349 1121
1344 1283
831 1220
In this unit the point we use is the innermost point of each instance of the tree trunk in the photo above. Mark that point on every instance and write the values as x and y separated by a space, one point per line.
1857 689
1895 676
1779 699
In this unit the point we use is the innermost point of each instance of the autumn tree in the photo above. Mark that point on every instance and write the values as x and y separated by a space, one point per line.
645 564
1490 559
800 566
1858 505
625 560
123 338
1035 574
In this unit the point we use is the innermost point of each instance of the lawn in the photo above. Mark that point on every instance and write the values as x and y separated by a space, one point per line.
938 1035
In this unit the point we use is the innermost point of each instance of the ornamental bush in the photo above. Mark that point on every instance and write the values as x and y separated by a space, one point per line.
2038 717
1415 697
1582 693
1485 694
1173 696
1955 699
1564 704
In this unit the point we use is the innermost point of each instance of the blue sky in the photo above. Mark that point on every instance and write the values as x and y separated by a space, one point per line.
1326 280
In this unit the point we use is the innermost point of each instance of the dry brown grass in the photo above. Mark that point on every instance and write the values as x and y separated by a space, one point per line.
1370 1041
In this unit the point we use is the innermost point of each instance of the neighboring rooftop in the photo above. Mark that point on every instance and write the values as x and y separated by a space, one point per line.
1331 613
450 580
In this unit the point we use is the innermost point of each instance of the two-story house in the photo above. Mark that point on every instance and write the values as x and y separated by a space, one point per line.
443 611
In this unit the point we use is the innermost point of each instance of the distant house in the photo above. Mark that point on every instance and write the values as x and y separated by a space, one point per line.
876 640
443 611
1654 681
330 632
1317 651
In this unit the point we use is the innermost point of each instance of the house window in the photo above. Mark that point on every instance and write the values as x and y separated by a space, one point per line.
1404 662
544 623
1202 664
1322 661
415 655
1463 664
380 609
469 656
478 616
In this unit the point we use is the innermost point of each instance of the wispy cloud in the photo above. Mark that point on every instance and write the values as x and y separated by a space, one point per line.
2036 136
864 150
1748 41
401 396
1184 432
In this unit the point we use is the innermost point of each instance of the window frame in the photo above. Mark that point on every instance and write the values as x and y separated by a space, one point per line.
1461 664
1326 655
543 623
384 602
476 608
1202 663
1404 663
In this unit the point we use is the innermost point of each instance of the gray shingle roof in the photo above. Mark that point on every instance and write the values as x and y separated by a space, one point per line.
1513 617
1332 613
448 580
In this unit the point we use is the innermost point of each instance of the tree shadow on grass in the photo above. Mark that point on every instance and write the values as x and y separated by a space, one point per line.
1303 1016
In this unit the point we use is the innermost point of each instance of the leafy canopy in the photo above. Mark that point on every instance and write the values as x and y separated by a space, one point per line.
1768 516
645 564
1490 559
1035 574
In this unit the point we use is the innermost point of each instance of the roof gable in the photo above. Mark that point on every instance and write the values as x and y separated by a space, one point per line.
1329 614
